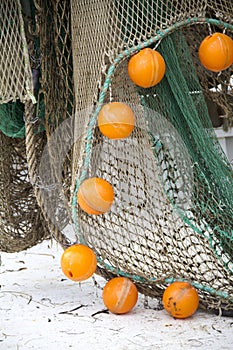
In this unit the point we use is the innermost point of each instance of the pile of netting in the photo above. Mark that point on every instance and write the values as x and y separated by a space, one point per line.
172 214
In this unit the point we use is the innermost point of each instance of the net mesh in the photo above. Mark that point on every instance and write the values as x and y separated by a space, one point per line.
15 76
56 93
22 224
166 223
217 91
172 214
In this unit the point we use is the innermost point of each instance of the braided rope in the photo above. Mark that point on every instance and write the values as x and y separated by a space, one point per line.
32 158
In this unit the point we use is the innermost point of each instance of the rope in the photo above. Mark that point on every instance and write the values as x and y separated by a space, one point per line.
32 158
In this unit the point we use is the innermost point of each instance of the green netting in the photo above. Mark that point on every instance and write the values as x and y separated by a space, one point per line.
11 119
179 98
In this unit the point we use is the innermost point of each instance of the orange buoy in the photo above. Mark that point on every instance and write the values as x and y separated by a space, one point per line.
120 295
116 120
78 262
95 196
216 52
146 68
180 299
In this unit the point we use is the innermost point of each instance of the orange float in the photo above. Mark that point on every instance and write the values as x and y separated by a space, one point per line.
78 262
216 52
95 196
116 120
146 68
120 295
180 299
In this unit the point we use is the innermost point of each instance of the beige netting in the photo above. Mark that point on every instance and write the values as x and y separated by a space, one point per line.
22 224
46 59
15 73
172 214
142 236
56 91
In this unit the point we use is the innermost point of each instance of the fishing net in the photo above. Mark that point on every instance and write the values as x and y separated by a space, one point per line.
51 171
22 224
41 45
172 214
15 77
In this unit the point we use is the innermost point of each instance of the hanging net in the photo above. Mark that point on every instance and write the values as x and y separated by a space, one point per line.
172 214
22 223
44 31
15 77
